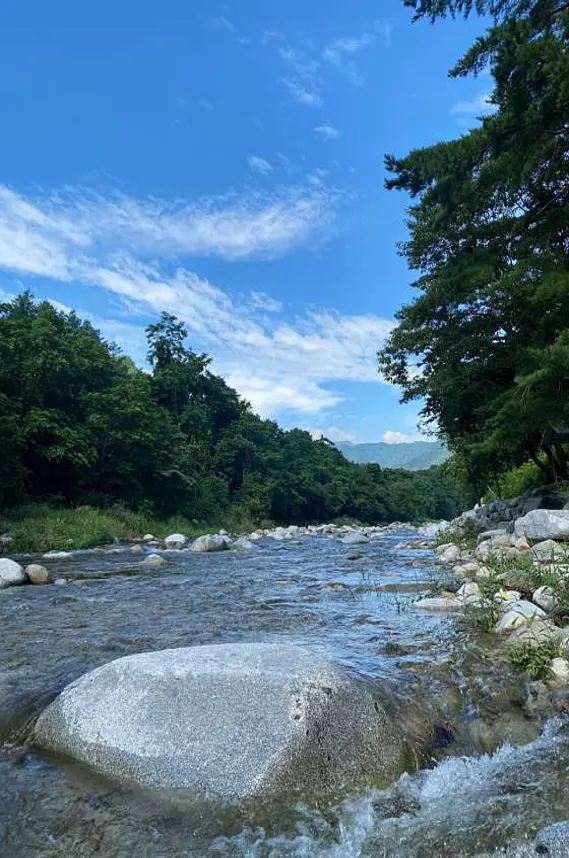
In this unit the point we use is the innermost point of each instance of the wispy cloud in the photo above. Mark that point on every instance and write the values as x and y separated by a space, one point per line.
222 23
310 66
131 248
477 106
336 51
36 233
259 165
327 131
205 104
262 301
304 96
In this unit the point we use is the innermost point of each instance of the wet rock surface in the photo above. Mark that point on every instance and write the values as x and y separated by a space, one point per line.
233 721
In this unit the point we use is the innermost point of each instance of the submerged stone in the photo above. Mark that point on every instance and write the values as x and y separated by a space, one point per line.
232 722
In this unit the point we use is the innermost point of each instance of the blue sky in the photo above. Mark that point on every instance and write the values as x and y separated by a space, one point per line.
224 162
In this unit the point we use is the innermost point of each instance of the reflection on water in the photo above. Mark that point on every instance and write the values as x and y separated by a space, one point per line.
358 612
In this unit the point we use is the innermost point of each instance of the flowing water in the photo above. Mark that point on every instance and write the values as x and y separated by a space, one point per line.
493 776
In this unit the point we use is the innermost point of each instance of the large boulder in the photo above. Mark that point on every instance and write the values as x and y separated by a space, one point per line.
211 542
541 524
231 722
11 573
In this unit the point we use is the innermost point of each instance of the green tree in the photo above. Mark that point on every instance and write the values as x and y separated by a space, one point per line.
484 344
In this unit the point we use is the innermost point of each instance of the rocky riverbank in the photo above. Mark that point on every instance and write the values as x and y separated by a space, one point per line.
349 595
507 569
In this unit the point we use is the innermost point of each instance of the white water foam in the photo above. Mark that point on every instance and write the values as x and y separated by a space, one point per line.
471 802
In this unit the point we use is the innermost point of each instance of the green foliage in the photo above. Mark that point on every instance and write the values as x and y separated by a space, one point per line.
81 424
534 659
44 527
515 482
488 236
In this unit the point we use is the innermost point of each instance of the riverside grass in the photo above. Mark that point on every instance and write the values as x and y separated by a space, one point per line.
41 527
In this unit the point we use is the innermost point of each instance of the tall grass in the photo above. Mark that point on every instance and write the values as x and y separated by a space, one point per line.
41 527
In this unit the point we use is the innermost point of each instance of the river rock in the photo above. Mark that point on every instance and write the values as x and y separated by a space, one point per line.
464 570
470 593
152 561
175 540
546 599
560 669
550 551
148 537
521 613
242 544
534 634
439 604
211 542
355 538
11 573
137 549
541 524
232 721
37 574
450 555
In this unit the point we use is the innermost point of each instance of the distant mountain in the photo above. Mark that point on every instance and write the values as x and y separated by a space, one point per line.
414 456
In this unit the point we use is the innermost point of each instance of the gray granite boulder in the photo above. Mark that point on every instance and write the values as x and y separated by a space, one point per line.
541 524
211 542
230 722
11 573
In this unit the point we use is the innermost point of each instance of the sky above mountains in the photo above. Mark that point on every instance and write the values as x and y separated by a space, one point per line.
224 162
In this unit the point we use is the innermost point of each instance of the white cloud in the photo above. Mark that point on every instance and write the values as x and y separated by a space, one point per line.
391 437
262 301
334 433
478 106
273 394
336 51
37 234
327 131
99 241
259 165
304 96
222 23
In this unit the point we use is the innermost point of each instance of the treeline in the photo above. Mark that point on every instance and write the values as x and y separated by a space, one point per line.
81 424
485 345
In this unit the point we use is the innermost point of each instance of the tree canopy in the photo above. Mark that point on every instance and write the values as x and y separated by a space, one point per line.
79 422
485 344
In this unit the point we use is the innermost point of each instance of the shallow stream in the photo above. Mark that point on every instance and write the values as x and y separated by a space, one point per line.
493 776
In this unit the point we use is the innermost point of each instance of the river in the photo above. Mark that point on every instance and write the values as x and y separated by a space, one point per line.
493 777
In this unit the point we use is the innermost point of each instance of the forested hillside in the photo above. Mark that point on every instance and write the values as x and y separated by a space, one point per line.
485 344
412 456
81 424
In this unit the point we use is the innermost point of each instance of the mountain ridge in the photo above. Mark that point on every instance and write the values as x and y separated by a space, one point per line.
411 456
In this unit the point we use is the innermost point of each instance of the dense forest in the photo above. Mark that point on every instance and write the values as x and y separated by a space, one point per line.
80 424
485 344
